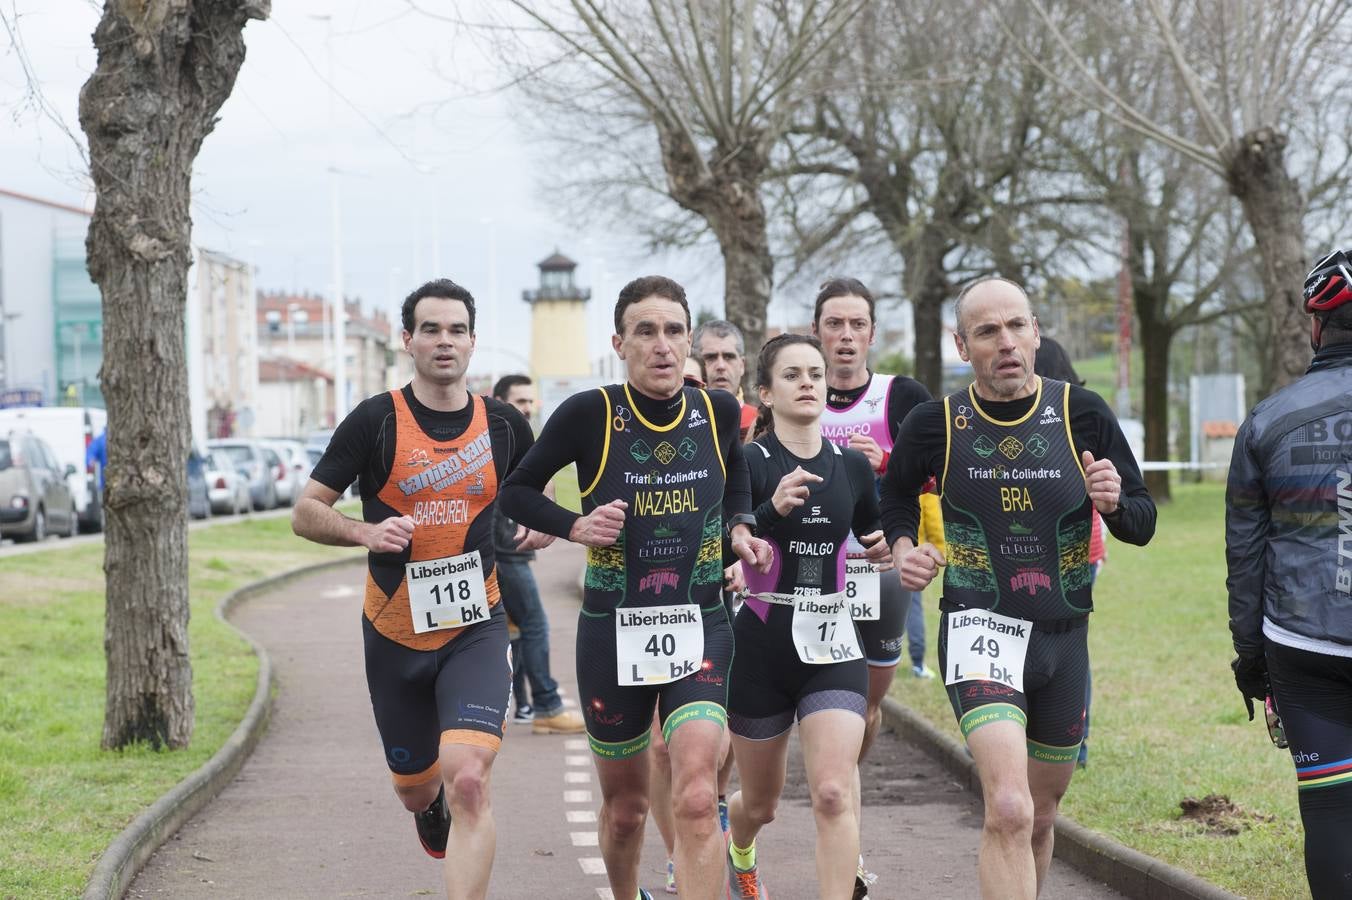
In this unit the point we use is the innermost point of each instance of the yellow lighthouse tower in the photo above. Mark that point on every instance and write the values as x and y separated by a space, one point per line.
558 333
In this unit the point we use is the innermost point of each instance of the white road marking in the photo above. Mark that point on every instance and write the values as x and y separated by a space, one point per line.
577 796
592 865
583 777
577 760
583 838
580 816
575 744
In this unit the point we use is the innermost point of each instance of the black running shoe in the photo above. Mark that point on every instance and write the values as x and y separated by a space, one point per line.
434 826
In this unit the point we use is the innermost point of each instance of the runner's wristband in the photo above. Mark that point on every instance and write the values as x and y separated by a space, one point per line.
740 519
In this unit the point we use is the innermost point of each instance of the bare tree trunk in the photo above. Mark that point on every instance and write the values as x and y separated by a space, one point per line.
164 69
727 194
1274 209
748 272
928 287
1156 338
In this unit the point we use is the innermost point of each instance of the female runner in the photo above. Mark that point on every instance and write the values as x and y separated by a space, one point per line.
798 653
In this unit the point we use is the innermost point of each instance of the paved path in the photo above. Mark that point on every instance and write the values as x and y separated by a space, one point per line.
311 813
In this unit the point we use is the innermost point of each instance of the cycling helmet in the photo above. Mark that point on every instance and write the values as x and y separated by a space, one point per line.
1327 287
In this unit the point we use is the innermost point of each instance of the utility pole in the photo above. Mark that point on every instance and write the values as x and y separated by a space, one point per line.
339 304
1124 314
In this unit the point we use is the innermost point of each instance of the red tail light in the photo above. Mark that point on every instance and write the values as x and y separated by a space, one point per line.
281 472
220 484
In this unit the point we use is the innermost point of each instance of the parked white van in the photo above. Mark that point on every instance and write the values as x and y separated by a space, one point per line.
68 430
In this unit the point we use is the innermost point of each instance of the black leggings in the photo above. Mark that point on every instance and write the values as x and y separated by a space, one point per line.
1313 694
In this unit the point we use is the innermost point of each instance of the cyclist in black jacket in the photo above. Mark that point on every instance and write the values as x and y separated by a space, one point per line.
1288 544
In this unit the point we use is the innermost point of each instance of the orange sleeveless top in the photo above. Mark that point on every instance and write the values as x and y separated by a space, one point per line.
445 486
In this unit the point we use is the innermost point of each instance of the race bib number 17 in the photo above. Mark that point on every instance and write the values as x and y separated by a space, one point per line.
822 630
447 592
986 646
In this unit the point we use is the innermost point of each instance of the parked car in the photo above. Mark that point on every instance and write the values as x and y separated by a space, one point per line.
199 503
34 496
227 485
319 439
68 432
259 463
292 456
315 445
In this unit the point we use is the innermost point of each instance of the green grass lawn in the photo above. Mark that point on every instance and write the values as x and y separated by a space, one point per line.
1100 375
62 799
1166 720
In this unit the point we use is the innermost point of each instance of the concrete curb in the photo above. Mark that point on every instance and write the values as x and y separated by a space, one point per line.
1127 871
129 850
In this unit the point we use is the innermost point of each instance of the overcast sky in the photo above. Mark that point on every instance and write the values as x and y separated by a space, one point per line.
426 149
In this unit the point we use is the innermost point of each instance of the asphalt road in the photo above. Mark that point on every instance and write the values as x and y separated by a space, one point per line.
311 814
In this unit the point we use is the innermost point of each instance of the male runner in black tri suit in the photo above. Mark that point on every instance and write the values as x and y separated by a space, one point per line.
660 469
429 458
1020 460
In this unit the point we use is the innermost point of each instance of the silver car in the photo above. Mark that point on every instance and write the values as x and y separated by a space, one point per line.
260 464
227 485
297 462
35 499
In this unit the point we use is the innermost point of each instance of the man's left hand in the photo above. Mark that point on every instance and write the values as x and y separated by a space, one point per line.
1102 482
751 550
869 447
1251 677
526 539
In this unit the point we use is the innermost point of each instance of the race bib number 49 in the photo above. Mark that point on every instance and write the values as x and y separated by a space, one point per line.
447 592
658 644
863 590
985 646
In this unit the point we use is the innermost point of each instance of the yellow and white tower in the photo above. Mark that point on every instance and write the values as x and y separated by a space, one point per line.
558 343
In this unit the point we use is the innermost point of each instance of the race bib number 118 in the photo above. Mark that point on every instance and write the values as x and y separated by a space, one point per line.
447 593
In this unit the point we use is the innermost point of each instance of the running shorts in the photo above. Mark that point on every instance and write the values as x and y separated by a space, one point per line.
770 684
457 694
1051 705
619 718
881 638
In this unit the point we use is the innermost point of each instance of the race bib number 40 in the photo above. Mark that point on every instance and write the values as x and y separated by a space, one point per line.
658 644
863 590
985 646
447 592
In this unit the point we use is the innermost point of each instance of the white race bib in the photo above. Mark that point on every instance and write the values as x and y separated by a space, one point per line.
447 592
823 631
863 589
658 644
986 646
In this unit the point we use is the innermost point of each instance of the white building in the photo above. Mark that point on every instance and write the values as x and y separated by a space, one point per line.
223 347
51 313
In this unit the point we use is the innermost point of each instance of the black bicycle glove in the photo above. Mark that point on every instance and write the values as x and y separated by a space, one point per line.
1251 677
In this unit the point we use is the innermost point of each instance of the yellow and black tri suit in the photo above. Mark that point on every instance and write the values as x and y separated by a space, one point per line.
678 465
1017 522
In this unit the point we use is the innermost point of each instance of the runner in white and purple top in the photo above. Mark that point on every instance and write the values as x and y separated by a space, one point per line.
864 412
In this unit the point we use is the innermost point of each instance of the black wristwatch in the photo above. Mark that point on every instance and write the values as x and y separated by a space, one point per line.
740 519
